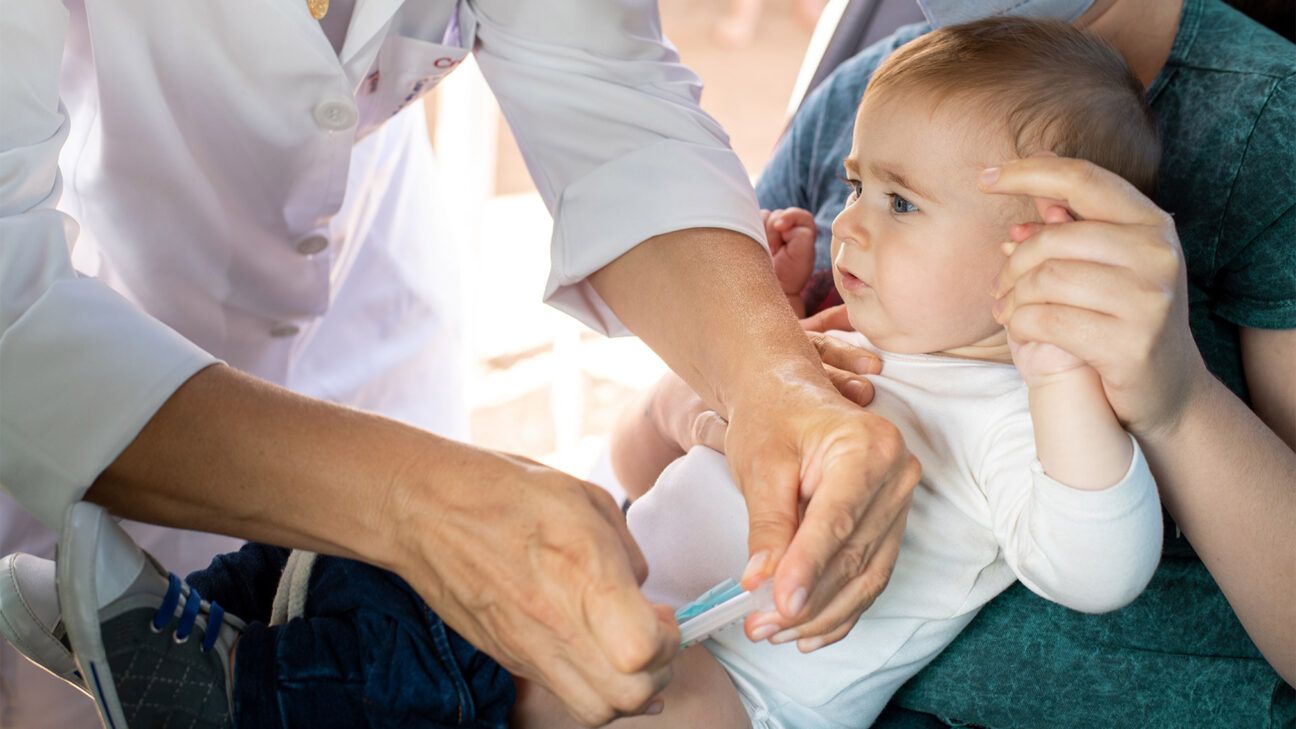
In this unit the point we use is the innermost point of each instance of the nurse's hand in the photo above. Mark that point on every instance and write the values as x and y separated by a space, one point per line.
537 569
827 486
1103 279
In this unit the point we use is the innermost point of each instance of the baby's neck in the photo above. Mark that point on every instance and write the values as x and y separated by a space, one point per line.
993 348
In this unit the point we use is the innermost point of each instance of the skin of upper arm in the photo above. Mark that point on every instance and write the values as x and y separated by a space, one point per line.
1267 356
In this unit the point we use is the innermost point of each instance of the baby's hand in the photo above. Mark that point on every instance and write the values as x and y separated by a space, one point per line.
791 236
1039 363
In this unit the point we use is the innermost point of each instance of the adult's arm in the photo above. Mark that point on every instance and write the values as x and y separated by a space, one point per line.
81 370
1112 290
555 598
94 391
656 228
1228 483
792 439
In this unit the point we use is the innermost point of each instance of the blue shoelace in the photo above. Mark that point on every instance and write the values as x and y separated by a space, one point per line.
193 603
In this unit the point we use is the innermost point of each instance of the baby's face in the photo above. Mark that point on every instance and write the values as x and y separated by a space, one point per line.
917 246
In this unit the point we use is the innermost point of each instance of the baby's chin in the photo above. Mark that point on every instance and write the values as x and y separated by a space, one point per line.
881 338
992 348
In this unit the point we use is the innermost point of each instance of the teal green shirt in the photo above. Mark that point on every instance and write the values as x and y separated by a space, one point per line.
1176 657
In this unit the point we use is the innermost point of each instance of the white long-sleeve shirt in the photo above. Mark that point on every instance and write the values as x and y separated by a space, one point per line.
984 514
255 195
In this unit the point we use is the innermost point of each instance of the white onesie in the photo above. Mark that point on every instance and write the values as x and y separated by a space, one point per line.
984 515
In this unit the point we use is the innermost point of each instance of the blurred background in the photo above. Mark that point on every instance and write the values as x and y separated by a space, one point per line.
544 385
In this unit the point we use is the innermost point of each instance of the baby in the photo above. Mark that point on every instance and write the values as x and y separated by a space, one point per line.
1027 475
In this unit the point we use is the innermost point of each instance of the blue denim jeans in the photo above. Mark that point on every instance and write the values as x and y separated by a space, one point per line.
367 653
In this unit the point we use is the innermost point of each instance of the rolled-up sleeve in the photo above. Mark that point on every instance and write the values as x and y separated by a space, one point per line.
609 123
81 369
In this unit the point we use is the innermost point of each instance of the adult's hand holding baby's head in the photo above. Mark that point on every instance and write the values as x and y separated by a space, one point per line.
1107 284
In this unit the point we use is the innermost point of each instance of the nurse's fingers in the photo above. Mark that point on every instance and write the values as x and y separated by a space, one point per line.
709 429
598 700
611 511
852 387
770 481
859 494
845 356
836 619
858 572
631 632
1089 191
835 317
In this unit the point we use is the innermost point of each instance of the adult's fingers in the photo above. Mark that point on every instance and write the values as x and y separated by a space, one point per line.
611 511
834 317
841 532
594 698
578 696
864 579
709 429
1092 336
845 356
1081 284
853 387
838 514
1088 190
629 630
770 480
1087 240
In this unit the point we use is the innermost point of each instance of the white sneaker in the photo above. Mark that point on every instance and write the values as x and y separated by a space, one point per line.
152 651
29 616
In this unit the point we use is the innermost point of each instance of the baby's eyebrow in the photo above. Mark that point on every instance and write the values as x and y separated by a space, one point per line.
890 174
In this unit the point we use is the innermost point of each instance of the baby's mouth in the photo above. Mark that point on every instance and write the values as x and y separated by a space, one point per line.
851 282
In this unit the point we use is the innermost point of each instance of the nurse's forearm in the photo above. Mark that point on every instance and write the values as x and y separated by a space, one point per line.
530 565
1227 480
231 454
707 301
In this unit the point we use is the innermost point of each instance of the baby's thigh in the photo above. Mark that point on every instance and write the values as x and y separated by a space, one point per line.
699 695
691 527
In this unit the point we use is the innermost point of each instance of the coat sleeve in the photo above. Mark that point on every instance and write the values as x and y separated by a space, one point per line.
610 127
81 369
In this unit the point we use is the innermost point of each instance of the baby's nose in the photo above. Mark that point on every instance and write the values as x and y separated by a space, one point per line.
848 230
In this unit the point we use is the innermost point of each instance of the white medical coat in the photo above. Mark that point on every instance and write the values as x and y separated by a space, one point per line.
255 196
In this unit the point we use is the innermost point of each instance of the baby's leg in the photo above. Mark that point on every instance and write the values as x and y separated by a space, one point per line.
700 695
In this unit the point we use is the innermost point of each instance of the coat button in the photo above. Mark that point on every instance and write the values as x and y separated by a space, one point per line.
336 115
279 331
311 245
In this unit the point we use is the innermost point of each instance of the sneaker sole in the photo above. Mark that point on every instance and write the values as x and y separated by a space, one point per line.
21 642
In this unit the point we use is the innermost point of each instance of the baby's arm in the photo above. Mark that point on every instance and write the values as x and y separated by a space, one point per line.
1084 528
1078 439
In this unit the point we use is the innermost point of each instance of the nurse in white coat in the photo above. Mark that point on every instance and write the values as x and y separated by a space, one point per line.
259 205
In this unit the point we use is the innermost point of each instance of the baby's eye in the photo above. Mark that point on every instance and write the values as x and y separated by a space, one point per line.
856 188
901 206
